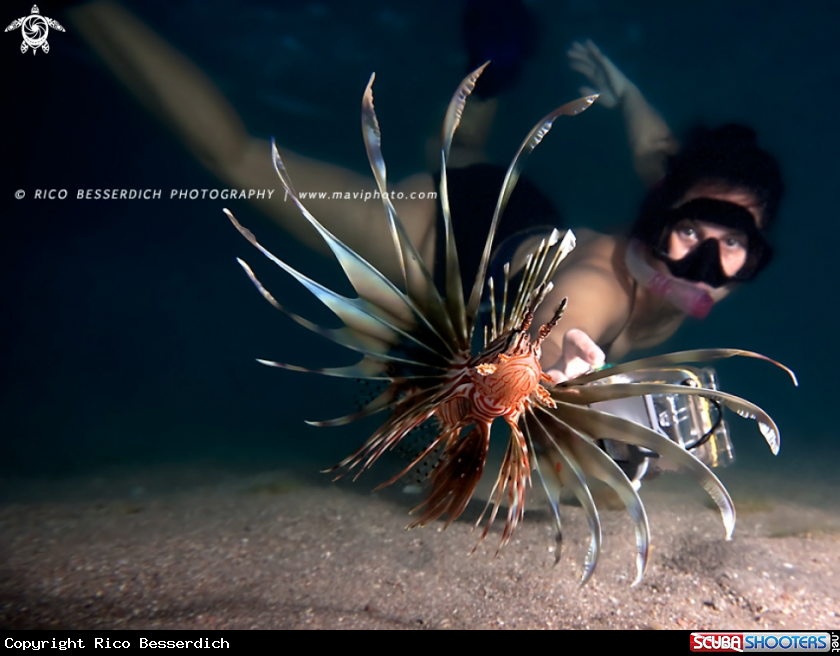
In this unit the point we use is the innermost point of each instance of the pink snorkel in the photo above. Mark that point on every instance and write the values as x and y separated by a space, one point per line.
688 297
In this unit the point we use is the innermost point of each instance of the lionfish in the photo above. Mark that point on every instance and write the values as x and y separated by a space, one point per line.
418 340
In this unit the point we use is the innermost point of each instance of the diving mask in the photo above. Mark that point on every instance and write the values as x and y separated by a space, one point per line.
703 263
691 298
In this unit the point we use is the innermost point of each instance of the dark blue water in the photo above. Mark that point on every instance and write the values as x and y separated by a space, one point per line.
129 332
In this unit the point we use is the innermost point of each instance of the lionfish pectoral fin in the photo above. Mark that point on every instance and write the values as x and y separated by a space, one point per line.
366 368
553 495
598 464
596 423
555 508
373 140
372 285
387 436
572 476
455 477
680 357
587 394
427 452
345 337
358 314
386 400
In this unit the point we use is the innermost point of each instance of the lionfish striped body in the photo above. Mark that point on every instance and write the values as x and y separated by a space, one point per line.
418 340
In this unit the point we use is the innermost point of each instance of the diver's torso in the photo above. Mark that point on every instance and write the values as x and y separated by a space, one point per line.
643 320
650 321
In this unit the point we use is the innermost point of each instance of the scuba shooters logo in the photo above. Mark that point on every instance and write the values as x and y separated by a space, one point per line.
34 29
765 641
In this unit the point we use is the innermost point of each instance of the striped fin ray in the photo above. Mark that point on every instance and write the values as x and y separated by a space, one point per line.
433 446
388 435
454 284
542 278
535 136
371 285
586 394
419 285
377 349
455 110
456 475
524 297
602 425
598 464
505 289
680 357
514 478
386 400
357 314
392 396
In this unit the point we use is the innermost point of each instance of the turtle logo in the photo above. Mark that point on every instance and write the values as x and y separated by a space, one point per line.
35 29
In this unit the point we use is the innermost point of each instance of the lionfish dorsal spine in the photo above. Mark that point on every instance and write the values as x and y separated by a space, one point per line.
535 136
418 282
373 144
454 286
375 290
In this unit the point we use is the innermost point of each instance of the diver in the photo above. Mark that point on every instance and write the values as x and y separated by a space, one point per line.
700 233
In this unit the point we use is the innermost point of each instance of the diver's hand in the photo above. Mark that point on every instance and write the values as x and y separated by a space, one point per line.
608 81
580 355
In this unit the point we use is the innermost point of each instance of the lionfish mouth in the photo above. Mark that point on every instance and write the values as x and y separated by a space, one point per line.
416 339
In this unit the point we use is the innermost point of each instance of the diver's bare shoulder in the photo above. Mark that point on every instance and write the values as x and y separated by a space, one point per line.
598 288
598 263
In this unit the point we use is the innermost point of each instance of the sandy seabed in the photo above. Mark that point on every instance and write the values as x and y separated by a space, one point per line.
200 546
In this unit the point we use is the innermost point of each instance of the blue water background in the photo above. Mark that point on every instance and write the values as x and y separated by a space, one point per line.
129 331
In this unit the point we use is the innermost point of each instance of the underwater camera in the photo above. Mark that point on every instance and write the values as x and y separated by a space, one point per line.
694 422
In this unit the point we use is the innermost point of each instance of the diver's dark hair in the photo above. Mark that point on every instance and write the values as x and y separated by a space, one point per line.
728 154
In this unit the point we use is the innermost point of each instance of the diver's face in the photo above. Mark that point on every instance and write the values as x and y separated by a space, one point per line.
688 233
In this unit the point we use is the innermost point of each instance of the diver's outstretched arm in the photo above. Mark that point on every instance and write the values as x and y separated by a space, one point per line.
651 140
181 95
